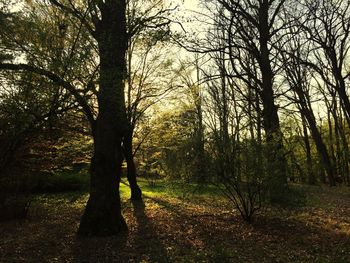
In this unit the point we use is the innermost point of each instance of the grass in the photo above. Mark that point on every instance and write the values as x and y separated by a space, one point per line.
172 189
183 223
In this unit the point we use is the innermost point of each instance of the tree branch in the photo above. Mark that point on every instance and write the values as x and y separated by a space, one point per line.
56 79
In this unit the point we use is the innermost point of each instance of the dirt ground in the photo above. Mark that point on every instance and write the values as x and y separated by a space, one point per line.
174 229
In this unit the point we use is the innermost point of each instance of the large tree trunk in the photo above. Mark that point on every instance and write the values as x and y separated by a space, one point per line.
102 216
275 151
136 193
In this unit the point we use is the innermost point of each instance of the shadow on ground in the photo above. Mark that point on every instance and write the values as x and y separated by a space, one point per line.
167 229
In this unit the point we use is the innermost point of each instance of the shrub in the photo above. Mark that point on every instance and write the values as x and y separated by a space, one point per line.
14 196
62 181
292 198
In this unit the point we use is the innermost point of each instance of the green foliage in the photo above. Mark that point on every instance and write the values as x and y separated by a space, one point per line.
64 181
171 148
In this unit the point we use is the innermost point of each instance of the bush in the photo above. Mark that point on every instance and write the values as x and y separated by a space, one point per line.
14 196
63 181
291 198
241 172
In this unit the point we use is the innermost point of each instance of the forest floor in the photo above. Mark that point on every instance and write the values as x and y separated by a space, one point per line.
178 226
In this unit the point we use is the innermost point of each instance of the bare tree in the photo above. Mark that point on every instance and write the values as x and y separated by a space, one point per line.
327 25
148 25
299 78
251 31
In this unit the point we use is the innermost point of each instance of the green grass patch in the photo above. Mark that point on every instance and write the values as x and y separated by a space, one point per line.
172 188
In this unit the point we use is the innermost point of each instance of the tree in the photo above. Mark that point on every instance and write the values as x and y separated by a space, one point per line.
247 35
107 26
299 79
190 77
98 90
327 26
146 63
102 215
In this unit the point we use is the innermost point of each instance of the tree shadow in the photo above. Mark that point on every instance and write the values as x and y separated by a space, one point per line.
101 249
140 244
227 238
164 230
147 243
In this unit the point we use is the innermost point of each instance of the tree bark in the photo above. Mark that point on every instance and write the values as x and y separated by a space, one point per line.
321 147
102 216
274 139
345 150
136 193
311 175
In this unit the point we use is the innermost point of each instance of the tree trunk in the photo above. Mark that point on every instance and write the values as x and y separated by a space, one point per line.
102 216
200 164
344 100
340 83
345 149
333 158
307 114
136 193
275 151
321 147
311 175
338 153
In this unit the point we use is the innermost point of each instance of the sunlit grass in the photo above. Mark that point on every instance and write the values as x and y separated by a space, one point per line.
172 188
